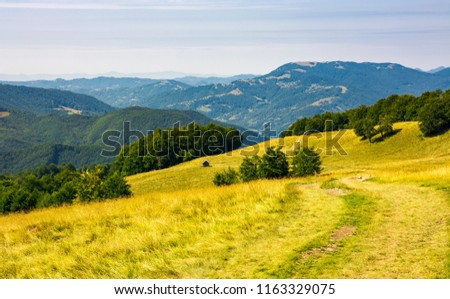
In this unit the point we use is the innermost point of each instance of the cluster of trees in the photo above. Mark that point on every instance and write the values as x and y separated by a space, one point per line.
165 148
431 109
54 185
324 122
273 164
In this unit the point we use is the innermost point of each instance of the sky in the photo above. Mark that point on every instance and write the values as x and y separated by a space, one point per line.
222 37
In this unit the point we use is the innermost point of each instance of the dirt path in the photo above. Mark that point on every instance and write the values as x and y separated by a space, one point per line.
408 234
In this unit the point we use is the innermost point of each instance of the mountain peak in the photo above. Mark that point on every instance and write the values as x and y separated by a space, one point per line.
436 70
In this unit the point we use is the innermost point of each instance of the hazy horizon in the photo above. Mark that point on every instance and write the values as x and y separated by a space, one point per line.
218 38
147 75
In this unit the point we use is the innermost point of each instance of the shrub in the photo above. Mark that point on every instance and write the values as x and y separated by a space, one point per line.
249 168
226 177
306 162
116 186
274 164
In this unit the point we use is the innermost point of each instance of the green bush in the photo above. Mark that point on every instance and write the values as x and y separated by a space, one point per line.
274 164
306 162
249 168
226 177
116 186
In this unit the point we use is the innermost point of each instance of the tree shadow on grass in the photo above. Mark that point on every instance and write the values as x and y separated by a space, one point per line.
437 133
385 136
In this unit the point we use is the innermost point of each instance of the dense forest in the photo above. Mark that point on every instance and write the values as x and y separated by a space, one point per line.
431 109
165 148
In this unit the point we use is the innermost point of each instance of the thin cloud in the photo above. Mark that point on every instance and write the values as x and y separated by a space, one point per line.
136 5
92 6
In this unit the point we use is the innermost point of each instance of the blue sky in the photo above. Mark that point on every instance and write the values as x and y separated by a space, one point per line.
217 37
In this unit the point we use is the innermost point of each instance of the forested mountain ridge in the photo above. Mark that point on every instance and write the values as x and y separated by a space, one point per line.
42 101
292 91
28 140
125 92
301 89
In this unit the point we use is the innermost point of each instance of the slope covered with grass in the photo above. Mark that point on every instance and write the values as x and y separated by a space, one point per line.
382 210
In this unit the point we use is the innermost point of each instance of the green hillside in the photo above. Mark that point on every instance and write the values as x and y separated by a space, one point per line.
28 140
143 120
382 210
42 101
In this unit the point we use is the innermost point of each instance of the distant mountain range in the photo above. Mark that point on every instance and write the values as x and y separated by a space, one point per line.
199 81
125 92
436 70
289 92
152 75
300 89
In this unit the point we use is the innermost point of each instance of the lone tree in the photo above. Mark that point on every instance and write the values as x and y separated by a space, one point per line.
250 168
306 162
274 164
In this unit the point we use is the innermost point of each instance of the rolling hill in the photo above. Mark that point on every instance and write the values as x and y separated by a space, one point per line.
28 140
42 101
144 120
380 211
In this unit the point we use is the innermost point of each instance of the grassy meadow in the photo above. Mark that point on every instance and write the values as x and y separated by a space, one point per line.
382 210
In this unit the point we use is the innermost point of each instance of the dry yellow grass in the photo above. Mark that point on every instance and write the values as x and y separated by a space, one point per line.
392 196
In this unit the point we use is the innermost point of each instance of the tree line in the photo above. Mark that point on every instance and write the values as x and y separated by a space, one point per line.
166 148
55 185
274 164
431 110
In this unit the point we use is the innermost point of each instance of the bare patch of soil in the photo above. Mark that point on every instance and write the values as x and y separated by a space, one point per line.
337 235
342 233
336 191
